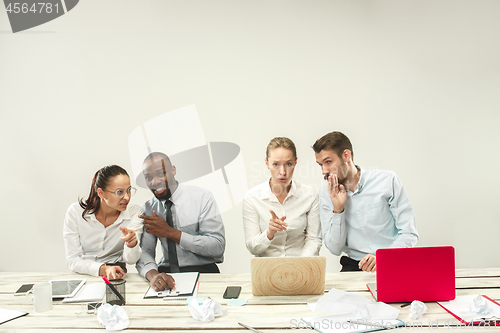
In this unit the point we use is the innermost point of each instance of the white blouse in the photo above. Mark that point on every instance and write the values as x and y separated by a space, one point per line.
89 244
301 208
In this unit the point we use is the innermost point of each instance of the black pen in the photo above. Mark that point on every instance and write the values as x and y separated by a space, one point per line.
113 289
168 292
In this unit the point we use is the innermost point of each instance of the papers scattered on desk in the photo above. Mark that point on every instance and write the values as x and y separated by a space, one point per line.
350 312
185 286
460 308
93 292
7 315
356 306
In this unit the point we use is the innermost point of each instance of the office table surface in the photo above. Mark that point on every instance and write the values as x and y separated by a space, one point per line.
266 313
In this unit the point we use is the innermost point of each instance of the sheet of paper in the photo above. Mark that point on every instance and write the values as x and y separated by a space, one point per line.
93 292
6 315
460 306
174 298
339 301
184 285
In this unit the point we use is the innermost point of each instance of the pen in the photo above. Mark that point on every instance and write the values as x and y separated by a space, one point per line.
113 289
250 328
168 292
405 305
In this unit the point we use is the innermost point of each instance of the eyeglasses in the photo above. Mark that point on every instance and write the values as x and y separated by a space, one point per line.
121 193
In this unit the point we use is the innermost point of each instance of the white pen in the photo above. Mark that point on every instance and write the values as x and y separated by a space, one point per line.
250 328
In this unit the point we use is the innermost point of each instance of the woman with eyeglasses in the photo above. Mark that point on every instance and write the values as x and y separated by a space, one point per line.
102 233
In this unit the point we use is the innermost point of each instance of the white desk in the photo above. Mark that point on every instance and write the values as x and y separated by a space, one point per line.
269 314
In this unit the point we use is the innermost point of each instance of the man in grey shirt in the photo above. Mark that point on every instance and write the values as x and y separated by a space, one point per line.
186 221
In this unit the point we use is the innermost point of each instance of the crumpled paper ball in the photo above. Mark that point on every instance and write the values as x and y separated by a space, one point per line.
207 311
480 306
417 309
113 317
340 301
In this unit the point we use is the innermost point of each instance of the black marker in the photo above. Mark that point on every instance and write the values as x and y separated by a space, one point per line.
113 289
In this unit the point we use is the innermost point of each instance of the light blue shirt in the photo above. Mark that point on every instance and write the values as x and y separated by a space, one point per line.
378 214
195 213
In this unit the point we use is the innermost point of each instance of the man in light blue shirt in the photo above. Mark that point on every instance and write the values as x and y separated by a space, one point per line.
186 221
361 211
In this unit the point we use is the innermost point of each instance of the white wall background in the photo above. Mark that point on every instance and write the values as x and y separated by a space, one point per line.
414 84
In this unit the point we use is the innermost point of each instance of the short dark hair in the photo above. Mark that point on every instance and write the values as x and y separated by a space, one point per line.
336 141
157 153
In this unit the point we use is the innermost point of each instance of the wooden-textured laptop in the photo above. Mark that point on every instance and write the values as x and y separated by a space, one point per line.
288 276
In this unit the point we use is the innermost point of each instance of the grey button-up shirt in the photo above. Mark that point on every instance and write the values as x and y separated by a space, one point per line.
195 214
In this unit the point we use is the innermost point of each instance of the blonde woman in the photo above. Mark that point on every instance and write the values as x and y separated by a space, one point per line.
281 216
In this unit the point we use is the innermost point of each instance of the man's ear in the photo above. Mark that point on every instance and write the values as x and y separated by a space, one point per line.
346 155
174 170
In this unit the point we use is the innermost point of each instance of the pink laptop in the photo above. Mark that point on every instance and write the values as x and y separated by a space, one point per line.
419 273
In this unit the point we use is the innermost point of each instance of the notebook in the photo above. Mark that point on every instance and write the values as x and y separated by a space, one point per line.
7 315
288 276
420 273
93 292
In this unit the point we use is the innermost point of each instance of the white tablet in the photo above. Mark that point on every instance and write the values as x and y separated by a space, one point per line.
66 288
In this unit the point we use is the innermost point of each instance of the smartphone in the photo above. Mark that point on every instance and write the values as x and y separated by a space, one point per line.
23 289
232 292
93 306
